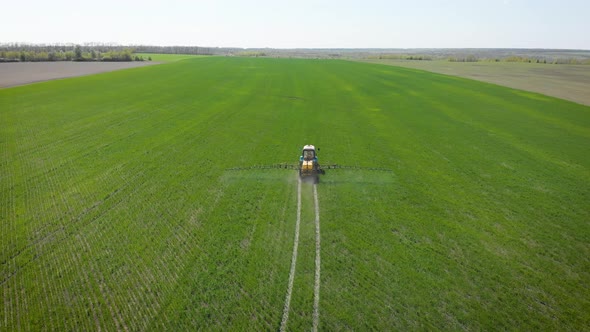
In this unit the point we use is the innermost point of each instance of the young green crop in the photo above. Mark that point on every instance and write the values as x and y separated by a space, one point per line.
167 57
117 211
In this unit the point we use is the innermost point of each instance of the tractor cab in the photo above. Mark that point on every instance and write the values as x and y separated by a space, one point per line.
308 154
308 164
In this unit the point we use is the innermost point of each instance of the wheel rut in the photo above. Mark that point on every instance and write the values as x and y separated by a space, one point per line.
316 288
293 261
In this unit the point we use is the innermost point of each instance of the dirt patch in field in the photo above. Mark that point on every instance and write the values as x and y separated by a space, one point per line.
569 82
19 73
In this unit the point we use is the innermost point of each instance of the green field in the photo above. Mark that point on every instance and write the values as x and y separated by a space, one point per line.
569 82
118 213
168 57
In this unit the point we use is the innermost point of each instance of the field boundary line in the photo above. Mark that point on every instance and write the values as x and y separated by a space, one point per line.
293 261
316 286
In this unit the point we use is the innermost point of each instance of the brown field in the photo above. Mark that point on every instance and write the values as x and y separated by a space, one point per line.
569 82
19 73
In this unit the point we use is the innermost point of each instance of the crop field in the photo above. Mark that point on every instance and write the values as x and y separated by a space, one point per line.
168 57
20 73
565 81
118 211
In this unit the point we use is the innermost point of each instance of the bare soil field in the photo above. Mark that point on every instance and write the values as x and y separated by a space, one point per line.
570 82
19 73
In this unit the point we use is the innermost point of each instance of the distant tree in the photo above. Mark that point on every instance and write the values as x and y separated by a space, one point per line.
78 52
127 55
23 57
42 56
93 54
149 58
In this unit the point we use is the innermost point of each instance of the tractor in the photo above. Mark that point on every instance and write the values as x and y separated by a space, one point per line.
309 168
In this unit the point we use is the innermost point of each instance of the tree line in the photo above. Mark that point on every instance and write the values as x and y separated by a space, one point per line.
16 52
115 52
194 50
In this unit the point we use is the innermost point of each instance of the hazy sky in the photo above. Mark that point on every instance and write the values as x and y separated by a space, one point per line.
302 23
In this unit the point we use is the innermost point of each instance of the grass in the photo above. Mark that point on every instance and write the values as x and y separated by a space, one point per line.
118 213
168 57
570 82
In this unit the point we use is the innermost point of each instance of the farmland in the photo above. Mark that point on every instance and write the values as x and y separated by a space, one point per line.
118 211
12 74
570 82
167 57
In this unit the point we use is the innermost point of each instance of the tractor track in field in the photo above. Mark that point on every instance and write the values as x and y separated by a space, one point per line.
316 289
316 286
293 261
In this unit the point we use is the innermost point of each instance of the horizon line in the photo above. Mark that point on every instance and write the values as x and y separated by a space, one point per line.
285 48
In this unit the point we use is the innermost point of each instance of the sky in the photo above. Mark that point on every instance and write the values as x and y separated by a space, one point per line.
302 23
